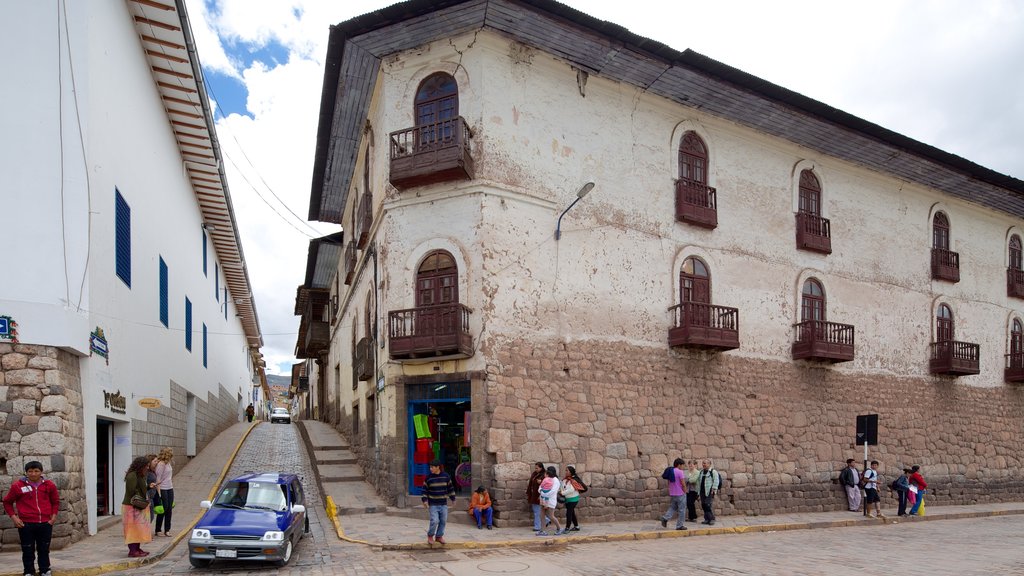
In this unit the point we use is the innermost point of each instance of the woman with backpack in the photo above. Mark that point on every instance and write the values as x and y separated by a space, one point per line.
572 487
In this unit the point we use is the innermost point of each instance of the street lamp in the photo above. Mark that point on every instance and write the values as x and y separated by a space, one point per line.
583 191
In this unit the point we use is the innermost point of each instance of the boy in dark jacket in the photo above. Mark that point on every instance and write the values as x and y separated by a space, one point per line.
437 489
33 503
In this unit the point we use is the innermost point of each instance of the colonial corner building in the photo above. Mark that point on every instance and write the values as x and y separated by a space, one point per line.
750 271
128 322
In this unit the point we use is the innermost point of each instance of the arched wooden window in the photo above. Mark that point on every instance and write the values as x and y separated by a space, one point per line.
694 281
437 280
940 231
810 193
944 324
437 105
812 301
1015 253
693 159
1017 337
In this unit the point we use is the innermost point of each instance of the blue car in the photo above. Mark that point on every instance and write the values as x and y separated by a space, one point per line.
254 517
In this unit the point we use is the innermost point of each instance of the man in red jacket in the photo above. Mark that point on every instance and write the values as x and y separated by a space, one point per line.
33 503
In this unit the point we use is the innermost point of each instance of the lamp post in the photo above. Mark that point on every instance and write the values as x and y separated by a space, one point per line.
583 191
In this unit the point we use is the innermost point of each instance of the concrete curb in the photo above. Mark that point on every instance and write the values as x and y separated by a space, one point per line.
131 564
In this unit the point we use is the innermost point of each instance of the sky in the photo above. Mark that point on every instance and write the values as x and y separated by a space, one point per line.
948 73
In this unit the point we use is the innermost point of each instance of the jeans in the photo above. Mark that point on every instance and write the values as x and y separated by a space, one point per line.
438 520
536 517
902 494
570 514
167 496
707 505
677 505
35 537
691 505
481 515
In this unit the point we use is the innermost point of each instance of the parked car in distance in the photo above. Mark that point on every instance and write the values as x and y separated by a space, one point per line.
280 415
254 517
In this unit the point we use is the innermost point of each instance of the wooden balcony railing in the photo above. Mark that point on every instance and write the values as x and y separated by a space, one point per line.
317 337
430 331
430 154
825 341
696 203
954 358
1014 367
813 233
364 219
350 262
1014 283
705 326
363 362
945 265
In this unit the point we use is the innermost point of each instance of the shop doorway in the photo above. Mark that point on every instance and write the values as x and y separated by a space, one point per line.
104 461
439 424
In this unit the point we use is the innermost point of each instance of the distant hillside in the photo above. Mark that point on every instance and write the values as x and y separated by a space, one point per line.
278 380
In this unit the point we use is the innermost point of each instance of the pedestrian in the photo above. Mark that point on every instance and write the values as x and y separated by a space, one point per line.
533 494
549 489
481 509
849 478
135 508
33 503
164 473
437 490
917 480
872 479
250 412
691 491
902 487
676 495
707 486
572 488
152 492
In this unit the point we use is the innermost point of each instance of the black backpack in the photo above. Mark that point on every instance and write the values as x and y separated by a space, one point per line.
669 474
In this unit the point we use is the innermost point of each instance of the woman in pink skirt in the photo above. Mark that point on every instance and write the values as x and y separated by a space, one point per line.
136 521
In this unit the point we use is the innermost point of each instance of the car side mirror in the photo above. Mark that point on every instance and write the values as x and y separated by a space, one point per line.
206 504
298 508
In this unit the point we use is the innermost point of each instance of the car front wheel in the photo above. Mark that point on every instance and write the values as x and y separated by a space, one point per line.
287 554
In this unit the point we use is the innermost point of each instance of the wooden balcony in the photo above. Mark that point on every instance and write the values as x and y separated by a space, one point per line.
1014 283
317 337
704 326
953 358
1014 371
363 362
696 204
945 265
364 220
823 341
430 331
813 233
430 154
350 262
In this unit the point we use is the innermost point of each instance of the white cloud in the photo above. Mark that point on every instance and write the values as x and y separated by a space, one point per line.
945 72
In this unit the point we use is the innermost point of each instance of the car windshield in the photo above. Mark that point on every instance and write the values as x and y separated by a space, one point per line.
280 411
252 495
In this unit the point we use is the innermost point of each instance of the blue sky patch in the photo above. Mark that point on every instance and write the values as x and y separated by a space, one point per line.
230 94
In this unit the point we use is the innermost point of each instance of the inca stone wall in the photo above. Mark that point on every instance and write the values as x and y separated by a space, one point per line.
166 426
41 419
779 431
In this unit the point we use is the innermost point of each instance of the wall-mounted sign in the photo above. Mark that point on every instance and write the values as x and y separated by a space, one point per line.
8 329
115 402
98 344
150 402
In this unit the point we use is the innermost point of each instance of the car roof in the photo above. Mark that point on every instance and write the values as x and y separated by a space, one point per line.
269 477
280 409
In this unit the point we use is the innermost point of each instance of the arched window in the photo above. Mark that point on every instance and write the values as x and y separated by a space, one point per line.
694 281
944 329
812 301
437 280
437 104
1015 253
1017 338
810 193
693 159
940 231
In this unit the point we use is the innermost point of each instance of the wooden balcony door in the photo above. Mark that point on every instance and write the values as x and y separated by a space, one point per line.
693 159
810 194
695 286
940 231
812 310
944 324
1017 345
436 284
437 104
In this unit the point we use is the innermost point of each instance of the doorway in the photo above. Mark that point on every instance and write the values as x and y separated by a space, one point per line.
104 462
439 421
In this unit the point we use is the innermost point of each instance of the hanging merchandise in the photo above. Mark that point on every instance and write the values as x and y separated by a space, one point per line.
422 425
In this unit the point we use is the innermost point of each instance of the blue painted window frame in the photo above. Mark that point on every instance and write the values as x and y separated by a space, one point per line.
188 324
216 281
204 252
205 348
122 238
163 293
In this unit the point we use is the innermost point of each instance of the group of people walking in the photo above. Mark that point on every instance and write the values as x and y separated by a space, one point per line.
909 487
688 485
543 492
148 496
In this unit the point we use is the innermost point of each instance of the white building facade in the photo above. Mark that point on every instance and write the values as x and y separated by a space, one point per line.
135 325
751 271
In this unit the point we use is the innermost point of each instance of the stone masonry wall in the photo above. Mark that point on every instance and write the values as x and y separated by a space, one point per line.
165 426
779 431
41 418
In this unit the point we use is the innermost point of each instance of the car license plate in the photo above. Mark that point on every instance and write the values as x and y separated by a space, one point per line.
226 553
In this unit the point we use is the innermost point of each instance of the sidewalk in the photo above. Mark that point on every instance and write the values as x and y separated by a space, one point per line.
107 552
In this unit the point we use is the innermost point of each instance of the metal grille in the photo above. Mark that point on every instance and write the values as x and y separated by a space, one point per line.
438 391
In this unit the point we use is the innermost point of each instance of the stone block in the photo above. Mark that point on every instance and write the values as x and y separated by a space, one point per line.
51 404
616 450
43 363
13 361
57 463
24 407
50 424
43 443
25 377
499 440
536 452
513 471
567 441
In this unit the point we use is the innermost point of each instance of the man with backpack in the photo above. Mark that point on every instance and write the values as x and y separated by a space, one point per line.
849 478
676 478
708 483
